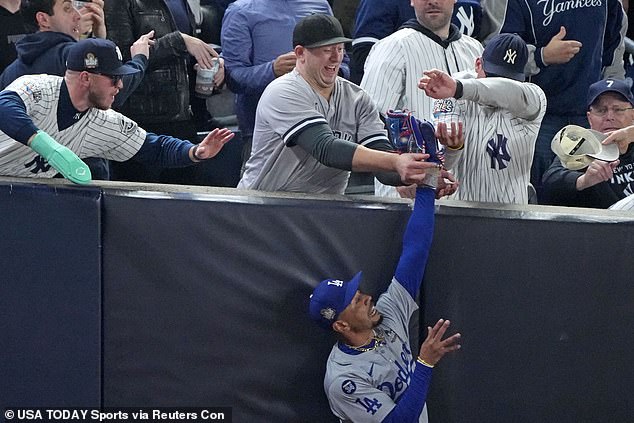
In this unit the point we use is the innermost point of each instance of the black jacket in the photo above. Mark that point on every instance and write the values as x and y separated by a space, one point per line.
163 95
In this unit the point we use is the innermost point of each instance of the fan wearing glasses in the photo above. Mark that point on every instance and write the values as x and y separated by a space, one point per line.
63 119
601 184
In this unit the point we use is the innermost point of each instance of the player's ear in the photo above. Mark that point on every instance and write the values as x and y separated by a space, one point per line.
340 326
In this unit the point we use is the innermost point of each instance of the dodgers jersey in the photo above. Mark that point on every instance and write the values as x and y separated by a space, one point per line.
397 62
501 120
363 387
97 133
288 106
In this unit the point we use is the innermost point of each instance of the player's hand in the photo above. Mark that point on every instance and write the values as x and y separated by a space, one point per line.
407 191
450 136
621 137
92 19
142 45
202 51
212 144
598 171
284 63
558 50
434 347
437 84
412 168
447 184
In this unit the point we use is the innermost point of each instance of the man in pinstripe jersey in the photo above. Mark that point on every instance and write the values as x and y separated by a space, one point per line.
396 62
501 115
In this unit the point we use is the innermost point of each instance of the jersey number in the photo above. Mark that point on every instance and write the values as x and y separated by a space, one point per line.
370 405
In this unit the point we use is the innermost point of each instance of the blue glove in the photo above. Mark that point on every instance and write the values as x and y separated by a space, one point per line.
61 158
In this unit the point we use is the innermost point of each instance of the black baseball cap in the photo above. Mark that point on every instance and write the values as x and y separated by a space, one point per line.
505 55
618 86
97 55
318 30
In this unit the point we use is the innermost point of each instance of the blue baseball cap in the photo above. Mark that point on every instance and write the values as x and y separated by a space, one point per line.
330 298
97 55
623 87
506 55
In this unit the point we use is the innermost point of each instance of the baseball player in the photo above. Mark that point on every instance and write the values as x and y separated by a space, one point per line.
63 118
371 374
312 127
396 62
501 115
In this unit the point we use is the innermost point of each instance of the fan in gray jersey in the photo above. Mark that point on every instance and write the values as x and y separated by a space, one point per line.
312 127
49 122
501 115
396 62
371 373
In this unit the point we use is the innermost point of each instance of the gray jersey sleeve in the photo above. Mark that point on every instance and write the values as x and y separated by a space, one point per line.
354 399
397 306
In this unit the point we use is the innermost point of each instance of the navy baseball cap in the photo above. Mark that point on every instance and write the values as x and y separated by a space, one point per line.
97 55
330 298
618 86
505 55
318 30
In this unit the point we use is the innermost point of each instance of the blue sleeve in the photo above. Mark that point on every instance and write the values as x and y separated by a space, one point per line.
15 122
131 82
375 19
417 242
164 151
412 402
243 77
614 31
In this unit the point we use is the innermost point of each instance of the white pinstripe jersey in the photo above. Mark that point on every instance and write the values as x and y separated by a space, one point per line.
396 63
98 133
501 120
288 105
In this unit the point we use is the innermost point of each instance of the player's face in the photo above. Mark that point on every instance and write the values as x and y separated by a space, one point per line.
610 112
434 15
65 19
321 65
360 313
103 89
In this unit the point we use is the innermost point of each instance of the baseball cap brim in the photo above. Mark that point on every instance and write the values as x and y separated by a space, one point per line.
331 41
124 70
503 71
352 286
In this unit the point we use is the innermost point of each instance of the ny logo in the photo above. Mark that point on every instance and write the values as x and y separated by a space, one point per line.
496 148
510 56
466 20
41 165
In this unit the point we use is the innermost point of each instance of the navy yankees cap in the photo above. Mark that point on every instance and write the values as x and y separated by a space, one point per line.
505 55
97 55
318 30
330 298
623 87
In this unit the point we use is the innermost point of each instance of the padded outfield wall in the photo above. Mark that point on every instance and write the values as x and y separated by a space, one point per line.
125 295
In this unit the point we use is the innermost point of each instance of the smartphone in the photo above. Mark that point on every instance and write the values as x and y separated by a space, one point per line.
80 3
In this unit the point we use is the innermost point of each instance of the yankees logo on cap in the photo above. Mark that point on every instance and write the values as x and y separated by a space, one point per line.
505 55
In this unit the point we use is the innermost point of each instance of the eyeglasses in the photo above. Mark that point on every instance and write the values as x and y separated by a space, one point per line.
114 78
616 111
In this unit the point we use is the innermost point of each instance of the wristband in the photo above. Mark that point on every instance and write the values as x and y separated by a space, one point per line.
456 148
424 363
195 156
458 94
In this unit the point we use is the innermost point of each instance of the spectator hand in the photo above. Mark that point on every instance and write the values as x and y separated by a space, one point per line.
202 51
434 347
622 138
437 84
212 144
453 139
92 19
412 168
558 50
142 45
598 171
284 63
219 78
447 184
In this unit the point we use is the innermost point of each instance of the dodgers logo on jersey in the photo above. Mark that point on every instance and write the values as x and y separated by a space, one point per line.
403 374
497 150
349 387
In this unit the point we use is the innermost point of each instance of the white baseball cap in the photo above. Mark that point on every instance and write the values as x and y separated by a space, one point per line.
577 147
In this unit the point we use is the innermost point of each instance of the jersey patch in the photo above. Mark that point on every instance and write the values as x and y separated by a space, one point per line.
349 387
127 126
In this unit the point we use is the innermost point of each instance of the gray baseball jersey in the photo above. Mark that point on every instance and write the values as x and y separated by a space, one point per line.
626 203
98 133
501 120
289 105
396 63
364 387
